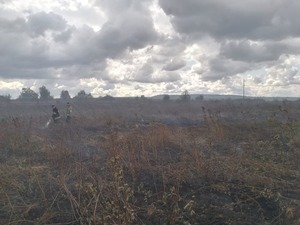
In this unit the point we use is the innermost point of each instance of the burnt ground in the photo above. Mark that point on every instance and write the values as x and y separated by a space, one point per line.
174 163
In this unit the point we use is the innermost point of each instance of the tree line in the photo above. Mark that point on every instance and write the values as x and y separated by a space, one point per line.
44 94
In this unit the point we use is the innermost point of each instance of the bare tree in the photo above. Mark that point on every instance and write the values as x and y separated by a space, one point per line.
185 97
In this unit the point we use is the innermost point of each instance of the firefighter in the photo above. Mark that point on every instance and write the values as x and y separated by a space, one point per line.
55 114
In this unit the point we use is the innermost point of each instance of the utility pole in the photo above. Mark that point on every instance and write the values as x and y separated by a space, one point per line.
243 89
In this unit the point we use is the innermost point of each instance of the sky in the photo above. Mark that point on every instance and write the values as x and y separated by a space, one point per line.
150 47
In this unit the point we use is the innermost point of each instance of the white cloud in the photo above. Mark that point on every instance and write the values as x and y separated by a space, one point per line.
12 87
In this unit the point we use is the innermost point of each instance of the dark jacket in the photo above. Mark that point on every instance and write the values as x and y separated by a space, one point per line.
55 113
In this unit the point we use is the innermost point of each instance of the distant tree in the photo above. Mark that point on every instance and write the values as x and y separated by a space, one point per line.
166 98
45 93
143 97
108 98
200 98
65 95
28 94
5 98
82 95
185 96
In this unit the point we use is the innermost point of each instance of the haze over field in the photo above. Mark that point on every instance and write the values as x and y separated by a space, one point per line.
150 47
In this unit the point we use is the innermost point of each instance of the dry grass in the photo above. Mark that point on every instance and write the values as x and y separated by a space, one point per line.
107 169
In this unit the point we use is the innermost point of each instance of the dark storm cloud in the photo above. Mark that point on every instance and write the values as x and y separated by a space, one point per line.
133 31
220 68
237 57
40 22
23 49
251 52
129 26
252 34
46 40
12 26
64 36
235 19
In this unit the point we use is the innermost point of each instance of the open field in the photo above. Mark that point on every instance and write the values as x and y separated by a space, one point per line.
151 162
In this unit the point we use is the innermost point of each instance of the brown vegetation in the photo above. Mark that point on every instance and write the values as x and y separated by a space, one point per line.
152 163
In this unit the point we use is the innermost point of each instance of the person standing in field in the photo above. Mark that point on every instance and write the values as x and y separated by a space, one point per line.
69 112
55 114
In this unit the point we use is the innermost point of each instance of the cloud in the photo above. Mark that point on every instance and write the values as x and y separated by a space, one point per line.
248 51
10 87
132 32
44 42
283 74
174 64
129 26
22 55
147 74
234 19
156 45
40 22
63 36
220 68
